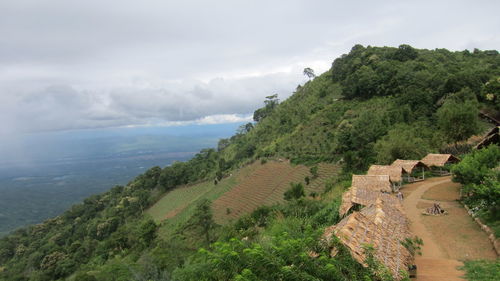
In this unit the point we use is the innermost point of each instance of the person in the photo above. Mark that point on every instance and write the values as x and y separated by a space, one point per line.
400 195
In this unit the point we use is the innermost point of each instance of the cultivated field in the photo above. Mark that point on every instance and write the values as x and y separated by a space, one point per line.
250 187
265 186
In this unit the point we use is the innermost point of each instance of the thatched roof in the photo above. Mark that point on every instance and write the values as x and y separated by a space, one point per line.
395 173
366 197
380 226
347 203
493 136
409 165
439 160
373 182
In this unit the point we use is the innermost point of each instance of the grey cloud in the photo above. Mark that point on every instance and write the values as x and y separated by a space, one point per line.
84 64
62 107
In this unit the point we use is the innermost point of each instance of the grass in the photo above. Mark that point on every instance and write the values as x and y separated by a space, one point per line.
482 270
491 221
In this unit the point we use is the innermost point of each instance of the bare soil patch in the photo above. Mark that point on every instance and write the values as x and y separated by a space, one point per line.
459 236
423 205
449 191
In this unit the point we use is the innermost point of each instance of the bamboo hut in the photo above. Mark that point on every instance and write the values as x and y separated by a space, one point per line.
492 137
411 166
381 227
366 197
439 161
373 182
395 173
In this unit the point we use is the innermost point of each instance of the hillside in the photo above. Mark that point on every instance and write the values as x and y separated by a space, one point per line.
244 191
375 104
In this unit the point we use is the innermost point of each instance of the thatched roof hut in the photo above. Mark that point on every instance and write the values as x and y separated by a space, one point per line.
395 173
366 197
373 182
492 137
383 228
409 165
439 160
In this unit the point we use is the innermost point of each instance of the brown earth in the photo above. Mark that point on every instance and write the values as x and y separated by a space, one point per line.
265 186
448 239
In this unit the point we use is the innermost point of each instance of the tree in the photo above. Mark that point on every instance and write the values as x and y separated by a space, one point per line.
269 105
222 144
405 52
402 142
147 232
309 72
295 191
202 220
458 120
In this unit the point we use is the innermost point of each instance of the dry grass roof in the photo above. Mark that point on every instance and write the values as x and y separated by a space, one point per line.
373 182
493 136
366 197
380 226
395 173
409 165
439 160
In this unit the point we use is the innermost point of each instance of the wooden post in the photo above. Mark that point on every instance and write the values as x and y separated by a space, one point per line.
423 173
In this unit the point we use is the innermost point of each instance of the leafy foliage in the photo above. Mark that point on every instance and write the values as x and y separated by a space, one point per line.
481 182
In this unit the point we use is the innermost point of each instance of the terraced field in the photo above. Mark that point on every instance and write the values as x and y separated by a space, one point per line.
250 187
265 186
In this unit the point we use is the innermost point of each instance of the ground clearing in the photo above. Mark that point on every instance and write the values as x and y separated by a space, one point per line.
448 239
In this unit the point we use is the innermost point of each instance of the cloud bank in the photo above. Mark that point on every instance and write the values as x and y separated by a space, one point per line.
97 64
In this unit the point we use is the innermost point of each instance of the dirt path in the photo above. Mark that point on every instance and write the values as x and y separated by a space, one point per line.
447 239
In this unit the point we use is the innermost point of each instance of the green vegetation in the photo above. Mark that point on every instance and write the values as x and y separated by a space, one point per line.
374 104
482 270
481 184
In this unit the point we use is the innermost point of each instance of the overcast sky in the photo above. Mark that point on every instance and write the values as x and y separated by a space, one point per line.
92 64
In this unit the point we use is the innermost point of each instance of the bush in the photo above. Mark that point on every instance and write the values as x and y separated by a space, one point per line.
295 191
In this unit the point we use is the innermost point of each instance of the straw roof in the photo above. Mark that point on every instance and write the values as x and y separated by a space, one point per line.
366 197
493 136
373 182
394 172
409 165
439 160
383 228
346 204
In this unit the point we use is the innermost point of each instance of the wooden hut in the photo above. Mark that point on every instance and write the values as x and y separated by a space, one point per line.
439 161
492 137
381 227
395 174
380 183
366 197
412 166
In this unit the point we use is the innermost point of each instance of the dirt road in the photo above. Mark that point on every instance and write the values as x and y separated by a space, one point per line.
448 239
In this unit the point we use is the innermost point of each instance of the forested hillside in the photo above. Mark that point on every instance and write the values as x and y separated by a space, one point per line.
375 104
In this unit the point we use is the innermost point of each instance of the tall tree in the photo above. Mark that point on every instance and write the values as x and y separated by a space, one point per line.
202 220
309 72
458 119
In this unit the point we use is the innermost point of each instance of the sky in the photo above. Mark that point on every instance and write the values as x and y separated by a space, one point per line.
72 65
